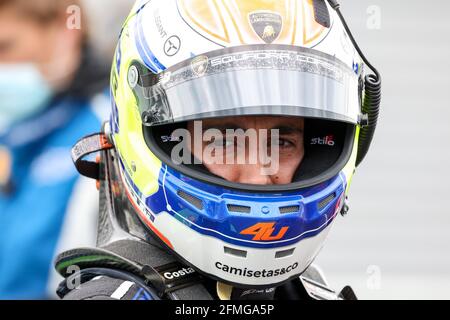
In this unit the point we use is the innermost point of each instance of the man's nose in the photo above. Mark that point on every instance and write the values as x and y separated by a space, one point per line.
253 174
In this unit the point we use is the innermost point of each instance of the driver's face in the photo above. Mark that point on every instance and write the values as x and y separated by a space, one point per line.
290 148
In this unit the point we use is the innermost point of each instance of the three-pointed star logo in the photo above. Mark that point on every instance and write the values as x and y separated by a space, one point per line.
172 46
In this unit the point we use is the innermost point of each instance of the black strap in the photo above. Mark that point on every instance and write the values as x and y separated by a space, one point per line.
86 146
159 269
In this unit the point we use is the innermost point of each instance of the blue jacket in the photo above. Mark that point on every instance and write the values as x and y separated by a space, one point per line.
34 213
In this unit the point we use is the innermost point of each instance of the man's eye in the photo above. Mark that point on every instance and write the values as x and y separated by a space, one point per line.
282 143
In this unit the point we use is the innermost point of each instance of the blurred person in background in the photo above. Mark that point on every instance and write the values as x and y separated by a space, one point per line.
104 28
51 93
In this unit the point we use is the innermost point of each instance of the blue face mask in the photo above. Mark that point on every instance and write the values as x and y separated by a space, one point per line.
23 93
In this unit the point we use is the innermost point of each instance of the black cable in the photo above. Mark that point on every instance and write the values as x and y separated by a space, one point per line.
334 4
372 94
358 49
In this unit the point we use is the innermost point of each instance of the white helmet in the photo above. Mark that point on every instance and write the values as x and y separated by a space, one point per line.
182 60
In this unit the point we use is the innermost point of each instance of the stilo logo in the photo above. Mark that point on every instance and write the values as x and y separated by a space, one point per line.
326 141
265 232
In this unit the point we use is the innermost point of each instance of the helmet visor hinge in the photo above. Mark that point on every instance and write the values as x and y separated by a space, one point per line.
363 120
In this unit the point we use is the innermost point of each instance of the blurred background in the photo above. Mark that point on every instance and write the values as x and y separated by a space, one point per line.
105 28
55 60
395 241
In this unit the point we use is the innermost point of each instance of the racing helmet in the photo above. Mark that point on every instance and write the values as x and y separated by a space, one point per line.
185 60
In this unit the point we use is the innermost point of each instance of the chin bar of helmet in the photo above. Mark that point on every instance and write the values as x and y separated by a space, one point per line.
372 94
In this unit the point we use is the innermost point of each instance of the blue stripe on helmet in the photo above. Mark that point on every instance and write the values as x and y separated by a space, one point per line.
216 221
146 54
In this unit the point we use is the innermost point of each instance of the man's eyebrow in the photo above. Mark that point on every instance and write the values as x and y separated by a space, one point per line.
223 127
286 129
283 129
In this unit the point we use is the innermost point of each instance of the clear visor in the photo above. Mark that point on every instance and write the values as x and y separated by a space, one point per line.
251 80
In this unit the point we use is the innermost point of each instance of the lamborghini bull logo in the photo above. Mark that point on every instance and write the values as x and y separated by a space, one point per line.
235 22
267 25
269 32
199 65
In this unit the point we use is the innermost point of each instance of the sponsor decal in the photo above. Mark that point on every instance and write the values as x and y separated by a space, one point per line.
172 138
265 231
264 273
171 275
172 46
159 25
267 25
325 141
199 65
260 59
255 291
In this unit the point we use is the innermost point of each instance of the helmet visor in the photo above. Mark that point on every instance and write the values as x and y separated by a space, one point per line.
249 80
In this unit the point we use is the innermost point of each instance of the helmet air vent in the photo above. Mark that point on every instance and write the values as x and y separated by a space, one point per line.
238 209
284 253
235 252
196 202
289 209
325 202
